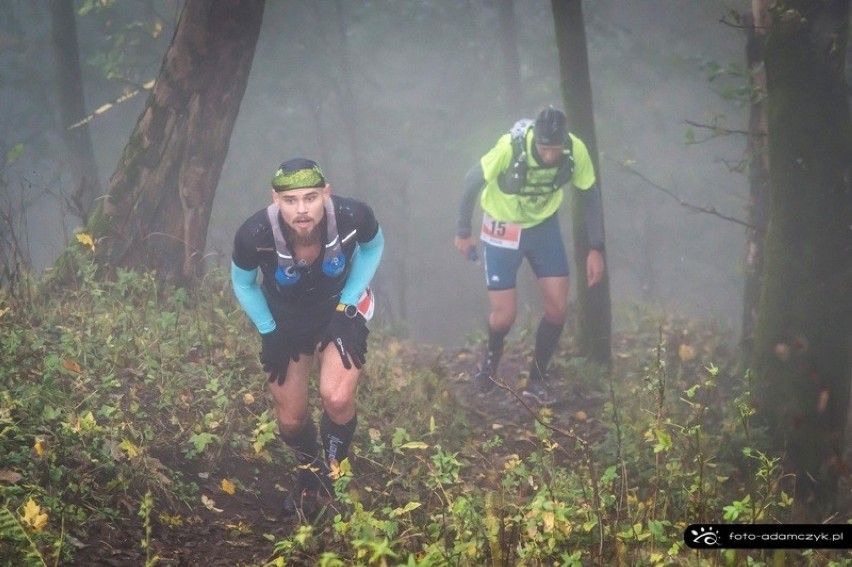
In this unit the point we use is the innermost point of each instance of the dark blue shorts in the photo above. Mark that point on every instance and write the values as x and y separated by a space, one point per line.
541 245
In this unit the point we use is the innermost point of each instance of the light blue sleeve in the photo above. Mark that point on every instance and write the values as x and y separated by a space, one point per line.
251 298
365 262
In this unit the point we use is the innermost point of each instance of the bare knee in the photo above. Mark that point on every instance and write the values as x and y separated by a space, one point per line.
290 420
556 312
502 318
338 405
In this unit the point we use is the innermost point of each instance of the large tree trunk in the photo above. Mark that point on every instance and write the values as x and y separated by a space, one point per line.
594 310
803 346
758 172
348 104
72 108
511 61
158 206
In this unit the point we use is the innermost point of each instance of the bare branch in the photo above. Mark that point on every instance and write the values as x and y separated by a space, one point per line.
717 131
689 206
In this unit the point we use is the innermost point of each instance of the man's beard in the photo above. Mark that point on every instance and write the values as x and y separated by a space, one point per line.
295 238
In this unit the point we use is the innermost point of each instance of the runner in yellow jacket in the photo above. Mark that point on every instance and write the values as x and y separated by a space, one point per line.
521 180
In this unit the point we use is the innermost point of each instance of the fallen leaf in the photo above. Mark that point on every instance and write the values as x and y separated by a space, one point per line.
581 416
72 366
228 486
210 504
33 516
414 445
9 476
131 450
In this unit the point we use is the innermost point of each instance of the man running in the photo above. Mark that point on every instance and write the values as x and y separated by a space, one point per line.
523 176
317 254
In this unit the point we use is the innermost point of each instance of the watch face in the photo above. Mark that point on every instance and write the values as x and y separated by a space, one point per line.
350 311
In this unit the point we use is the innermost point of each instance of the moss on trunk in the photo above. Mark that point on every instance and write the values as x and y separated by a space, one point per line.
802 357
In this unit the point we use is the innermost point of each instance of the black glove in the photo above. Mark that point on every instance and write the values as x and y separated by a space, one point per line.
349 336
275 355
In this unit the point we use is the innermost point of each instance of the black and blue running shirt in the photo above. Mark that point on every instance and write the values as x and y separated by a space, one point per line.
254 247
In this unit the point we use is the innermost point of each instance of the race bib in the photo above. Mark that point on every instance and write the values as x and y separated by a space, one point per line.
367 304
499 233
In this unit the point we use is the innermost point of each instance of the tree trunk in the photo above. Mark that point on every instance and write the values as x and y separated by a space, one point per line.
803 346
157 210
594 311
758 173
348 104
72 108
511 61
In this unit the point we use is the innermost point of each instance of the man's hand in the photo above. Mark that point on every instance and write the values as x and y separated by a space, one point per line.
349 338
275 355
464 245
594 267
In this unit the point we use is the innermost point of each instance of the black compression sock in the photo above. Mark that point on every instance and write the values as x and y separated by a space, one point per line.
495 343
304 443
336 438
546 339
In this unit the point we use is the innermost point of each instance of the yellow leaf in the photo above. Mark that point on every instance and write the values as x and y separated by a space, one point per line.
685 352
129 449
335 471
85 423
228 486
39 448
33 516
171 521
414 445
549 520
86 240
404 510
248 399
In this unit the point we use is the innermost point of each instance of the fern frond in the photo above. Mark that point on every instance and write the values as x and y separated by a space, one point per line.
11 528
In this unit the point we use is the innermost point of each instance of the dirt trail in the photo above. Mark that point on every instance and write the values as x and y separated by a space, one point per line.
235 529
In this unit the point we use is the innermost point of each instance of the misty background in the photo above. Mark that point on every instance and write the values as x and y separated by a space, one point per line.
423 83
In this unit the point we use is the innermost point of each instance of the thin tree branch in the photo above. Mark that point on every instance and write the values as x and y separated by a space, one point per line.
689 206
717 131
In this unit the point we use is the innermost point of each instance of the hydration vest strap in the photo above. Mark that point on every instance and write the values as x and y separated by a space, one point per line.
514 180
333 260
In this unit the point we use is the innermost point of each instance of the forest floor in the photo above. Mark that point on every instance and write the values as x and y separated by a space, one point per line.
241 529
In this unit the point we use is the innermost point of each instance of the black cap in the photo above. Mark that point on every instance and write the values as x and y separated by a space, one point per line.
550 127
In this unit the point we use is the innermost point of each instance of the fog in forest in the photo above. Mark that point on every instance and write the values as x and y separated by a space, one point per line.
423 85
